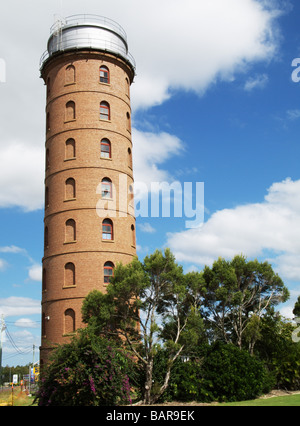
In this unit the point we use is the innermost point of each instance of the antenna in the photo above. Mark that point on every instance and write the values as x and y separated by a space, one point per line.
57 30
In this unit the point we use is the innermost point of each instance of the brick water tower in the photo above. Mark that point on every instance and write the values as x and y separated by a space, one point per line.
89 215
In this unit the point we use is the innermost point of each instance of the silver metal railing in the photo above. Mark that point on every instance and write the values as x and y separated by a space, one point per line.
62 40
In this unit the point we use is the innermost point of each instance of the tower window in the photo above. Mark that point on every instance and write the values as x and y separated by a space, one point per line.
44 324
70 74
104 111
44 282
46 238
70 189
106 188
70 149
70 231
105 148
48 122
70 111
104 75
128 122
46 197
69 326
107 229
69 274
129 158
108 272
133 235
47 159
127 87
48 86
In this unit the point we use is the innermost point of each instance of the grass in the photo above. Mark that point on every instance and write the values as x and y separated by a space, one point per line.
18 399
279 401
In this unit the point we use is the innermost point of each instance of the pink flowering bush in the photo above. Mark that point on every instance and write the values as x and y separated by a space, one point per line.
89 371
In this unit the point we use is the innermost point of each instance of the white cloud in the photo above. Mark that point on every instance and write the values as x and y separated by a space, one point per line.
177 45
35 273
21 176
16 306
293 114
272 226
147 228
195 44
12 249
151 150
3 265
26 323
257 82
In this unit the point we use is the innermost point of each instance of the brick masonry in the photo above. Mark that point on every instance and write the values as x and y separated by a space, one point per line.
75 252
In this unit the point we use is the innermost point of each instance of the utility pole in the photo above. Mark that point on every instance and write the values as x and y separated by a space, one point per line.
2 328
32 370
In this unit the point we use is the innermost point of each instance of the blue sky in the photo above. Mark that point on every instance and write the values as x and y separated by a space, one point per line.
213 101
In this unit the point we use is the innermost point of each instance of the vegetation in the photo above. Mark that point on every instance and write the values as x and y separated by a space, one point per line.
206 336
149 304
8 372
89 371
280 401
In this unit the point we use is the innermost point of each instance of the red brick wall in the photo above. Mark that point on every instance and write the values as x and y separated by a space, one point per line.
89 251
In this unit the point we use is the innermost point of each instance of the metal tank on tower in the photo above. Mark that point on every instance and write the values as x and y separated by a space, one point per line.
89 224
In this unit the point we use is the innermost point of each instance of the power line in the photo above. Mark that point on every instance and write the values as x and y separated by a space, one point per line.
12 341
17 354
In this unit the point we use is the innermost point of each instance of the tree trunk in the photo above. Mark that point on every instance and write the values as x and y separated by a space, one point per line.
148 382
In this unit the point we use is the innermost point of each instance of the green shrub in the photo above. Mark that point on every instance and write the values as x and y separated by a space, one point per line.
219 373
86 372
231 374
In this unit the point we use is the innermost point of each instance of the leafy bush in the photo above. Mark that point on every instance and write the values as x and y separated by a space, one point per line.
231 374
219 373
86 372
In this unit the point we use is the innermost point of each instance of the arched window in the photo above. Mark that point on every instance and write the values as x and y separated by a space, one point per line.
108 272
69 326
44 282
70 189
46 197
48 86
44 324
106 188
104 111
105 148
69 274
107 230
104 75
128 122
48 122
127 87
70 111
129 158
46 238
133 235
70 74
70 231
47 159
70 149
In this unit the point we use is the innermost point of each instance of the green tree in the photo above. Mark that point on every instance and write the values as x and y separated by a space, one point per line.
278 351
238 293
150 305
296 310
